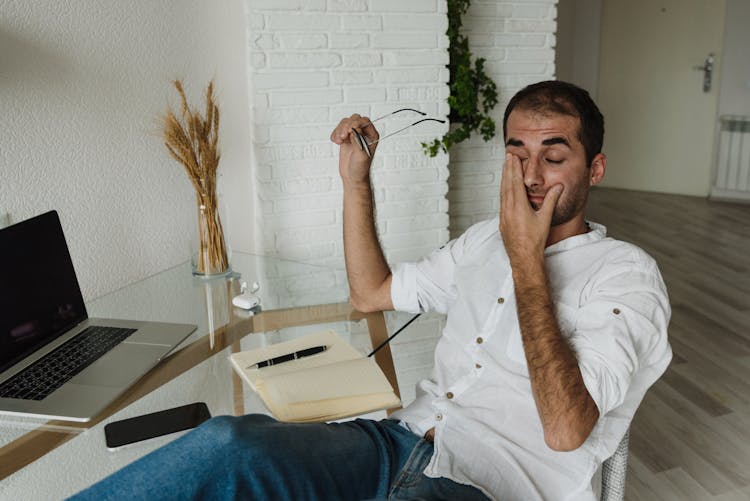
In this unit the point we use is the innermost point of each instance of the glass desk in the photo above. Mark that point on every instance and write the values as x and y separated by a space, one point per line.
42 459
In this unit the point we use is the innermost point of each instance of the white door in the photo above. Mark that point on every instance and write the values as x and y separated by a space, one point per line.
660 124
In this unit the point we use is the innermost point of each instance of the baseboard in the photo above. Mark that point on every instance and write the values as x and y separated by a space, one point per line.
724 195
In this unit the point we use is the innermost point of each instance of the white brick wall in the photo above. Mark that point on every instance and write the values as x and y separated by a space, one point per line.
314 62
517 39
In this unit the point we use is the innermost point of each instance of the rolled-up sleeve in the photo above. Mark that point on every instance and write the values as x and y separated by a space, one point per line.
428 284
404 287
621 333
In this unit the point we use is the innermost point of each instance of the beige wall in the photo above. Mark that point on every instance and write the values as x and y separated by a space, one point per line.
660 123
734 87
577 48
576 44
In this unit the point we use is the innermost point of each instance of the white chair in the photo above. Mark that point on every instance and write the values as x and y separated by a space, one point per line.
614 470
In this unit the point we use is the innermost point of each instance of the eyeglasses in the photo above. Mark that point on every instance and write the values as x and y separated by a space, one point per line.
365 144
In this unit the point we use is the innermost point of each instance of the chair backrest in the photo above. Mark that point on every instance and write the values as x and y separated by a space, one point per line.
614 470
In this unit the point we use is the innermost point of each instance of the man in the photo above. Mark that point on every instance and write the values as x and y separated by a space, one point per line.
553 334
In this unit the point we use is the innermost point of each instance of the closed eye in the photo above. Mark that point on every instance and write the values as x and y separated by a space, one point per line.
549 160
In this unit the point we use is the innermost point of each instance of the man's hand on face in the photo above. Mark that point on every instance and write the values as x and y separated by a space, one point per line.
523 229
354 164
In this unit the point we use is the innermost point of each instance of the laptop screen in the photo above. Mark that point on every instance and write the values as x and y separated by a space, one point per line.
39 294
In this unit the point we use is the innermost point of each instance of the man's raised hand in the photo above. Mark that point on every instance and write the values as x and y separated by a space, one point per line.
354 164
524 230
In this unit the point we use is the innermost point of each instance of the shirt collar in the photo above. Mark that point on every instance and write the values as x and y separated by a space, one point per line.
598 232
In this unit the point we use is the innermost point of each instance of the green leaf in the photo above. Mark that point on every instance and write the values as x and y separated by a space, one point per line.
473 94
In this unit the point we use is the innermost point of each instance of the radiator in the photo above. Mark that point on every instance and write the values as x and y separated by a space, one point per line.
732 173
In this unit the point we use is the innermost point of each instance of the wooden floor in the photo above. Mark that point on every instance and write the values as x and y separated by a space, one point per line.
690 439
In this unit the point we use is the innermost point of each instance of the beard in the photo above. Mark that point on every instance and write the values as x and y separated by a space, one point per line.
570 203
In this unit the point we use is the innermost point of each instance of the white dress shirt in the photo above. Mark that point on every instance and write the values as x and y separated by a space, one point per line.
610 303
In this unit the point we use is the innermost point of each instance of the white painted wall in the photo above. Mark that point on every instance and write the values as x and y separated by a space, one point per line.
81 85
517 39
314 62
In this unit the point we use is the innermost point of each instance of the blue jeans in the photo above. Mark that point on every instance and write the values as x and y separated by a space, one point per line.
256 457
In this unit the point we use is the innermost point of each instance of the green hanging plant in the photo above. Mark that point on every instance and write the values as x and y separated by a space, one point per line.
473 94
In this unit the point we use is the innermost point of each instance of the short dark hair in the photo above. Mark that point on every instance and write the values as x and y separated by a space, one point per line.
562 98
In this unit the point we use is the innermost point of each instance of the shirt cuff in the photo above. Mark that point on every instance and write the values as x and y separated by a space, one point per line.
404 287
606 385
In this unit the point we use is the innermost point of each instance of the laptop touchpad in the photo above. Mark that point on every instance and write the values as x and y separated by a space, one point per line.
121 366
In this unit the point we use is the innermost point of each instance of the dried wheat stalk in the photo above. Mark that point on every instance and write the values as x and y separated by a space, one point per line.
192 140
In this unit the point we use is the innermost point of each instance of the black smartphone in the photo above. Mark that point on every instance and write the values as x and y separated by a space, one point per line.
156 424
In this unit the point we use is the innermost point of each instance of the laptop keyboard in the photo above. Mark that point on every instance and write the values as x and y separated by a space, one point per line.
53 370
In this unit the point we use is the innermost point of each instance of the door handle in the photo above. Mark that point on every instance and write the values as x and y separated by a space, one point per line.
708 69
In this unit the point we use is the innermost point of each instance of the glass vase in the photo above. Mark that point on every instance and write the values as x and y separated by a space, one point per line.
211 255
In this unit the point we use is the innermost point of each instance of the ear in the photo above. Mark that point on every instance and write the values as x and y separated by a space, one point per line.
598 166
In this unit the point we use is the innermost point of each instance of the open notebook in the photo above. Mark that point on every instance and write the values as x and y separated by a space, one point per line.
334 384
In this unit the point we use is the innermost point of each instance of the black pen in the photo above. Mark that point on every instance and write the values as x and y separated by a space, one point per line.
289 357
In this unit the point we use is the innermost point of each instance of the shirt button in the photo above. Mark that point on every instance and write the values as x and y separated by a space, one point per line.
480 340
439 417
500 300
478 366
616 311
449 394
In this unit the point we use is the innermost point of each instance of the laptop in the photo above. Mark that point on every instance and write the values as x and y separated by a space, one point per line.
55 362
